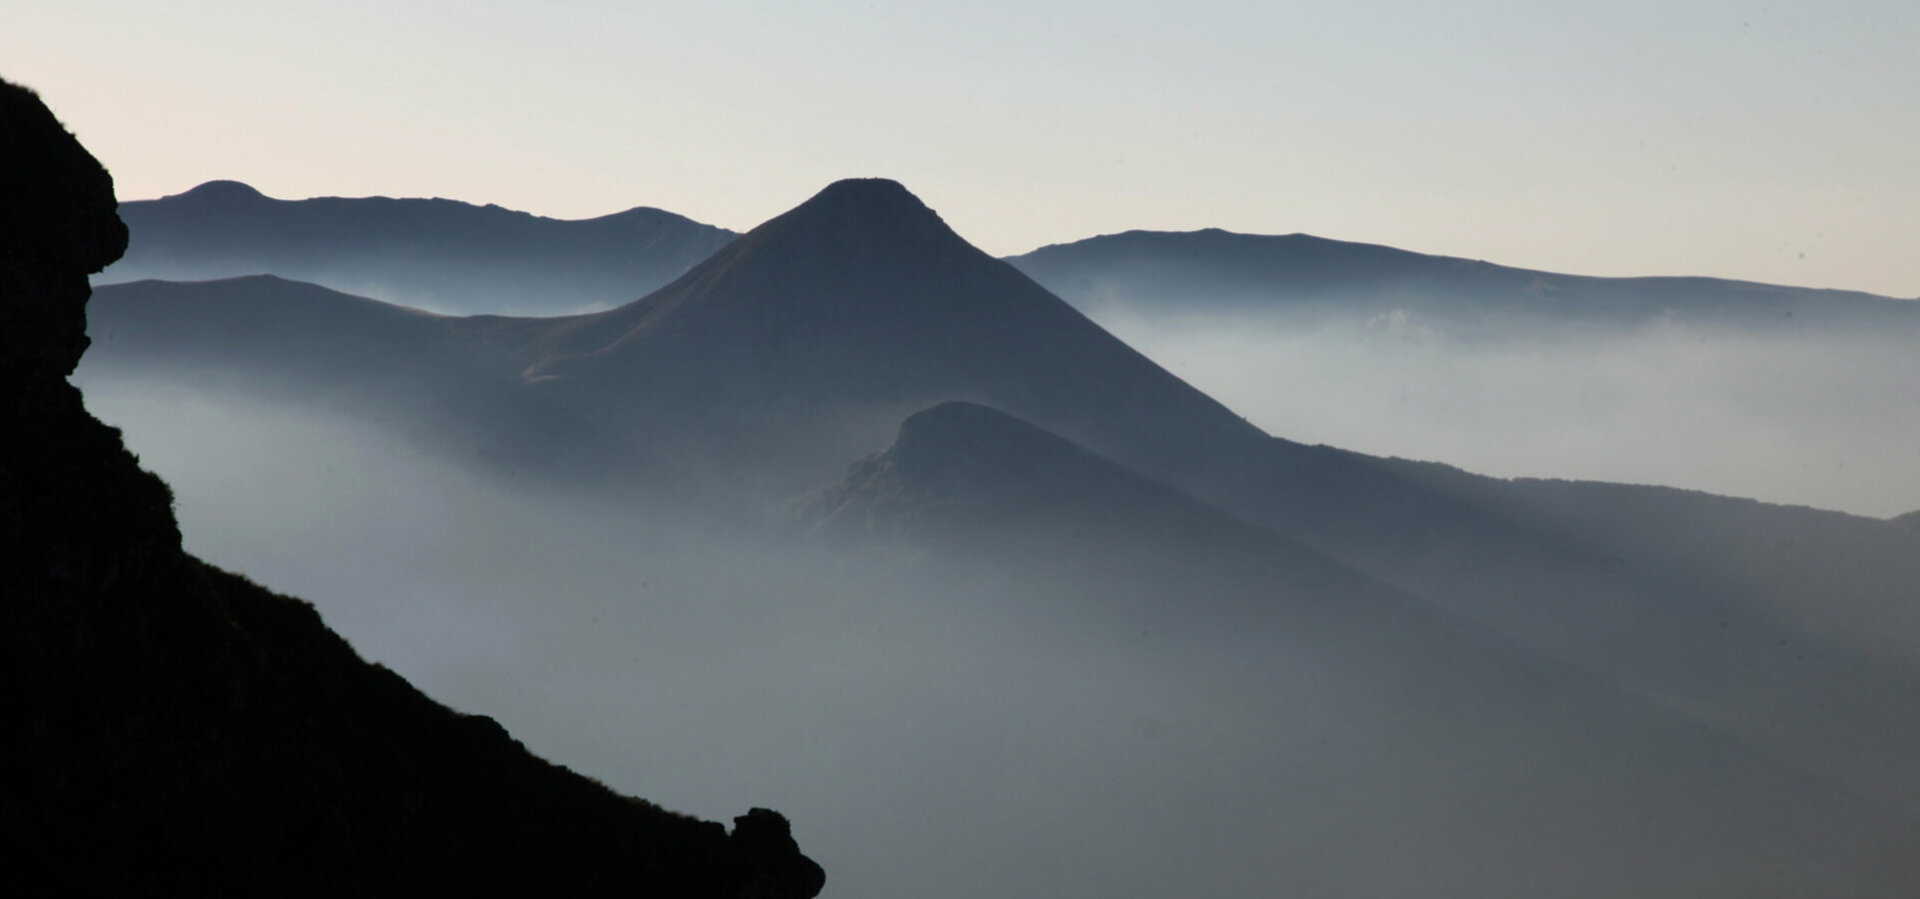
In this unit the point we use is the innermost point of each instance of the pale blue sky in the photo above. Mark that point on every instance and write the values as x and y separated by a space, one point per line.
1768 141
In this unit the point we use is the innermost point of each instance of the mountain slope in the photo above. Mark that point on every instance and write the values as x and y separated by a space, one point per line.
1216 273
175 729
972 476
434 254
1554 783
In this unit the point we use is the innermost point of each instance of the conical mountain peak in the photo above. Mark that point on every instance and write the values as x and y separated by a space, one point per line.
861 297
874 212
861 267
868 190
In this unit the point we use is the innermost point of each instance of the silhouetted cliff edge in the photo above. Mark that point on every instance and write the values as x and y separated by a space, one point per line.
173 728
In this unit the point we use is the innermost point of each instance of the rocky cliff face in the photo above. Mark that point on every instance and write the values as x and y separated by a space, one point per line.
169 727
58 226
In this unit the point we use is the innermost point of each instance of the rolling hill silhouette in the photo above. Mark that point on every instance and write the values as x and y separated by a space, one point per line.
434 254
1215 272
802 344
177 729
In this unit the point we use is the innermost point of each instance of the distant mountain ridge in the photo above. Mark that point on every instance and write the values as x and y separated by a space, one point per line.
1221 273
435 254
462 258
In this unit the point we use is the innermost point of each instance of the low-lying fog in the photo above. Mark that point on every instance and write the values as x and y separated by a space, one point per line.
1826 420
923 746
954 739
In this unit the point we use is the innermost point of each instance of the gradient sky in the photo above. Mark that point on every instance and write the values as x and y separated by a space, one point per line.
1769 141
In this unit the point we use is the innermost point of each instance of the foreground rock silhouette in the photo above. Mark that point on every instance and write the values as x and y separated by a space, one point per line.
173 728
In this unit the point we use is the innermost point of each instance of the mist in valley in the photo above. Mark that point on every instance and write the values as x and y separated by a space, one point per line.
1822 417
963 727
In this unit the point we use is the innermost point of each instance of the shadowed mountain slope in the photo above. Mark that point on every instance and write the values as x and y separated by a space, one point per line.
435 254
1351 676
1215 272
176 729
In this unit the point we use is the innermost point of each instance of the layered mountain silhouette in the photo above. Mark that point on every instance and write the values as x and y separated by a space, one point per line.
434 254
980 492
462 258
857 306
1221 273
802 344
173 728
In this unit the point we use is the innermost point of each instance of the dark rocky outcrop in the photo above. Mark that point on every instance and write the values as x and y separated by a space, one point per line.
171 728
59 226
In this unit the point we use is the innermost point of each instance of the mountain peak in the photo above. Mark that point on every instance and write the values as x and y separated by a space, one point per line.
958 421
936 439
966 452
878 206
223 191
881 190
966 470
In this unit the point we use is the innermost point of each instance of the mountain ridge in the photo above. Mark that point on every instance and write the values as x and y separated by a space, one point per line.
170 241
1149 235
1217 272
435 253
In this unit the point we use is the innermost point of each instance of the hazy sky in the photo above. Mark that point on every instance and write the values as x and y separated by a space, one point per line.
1771 141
